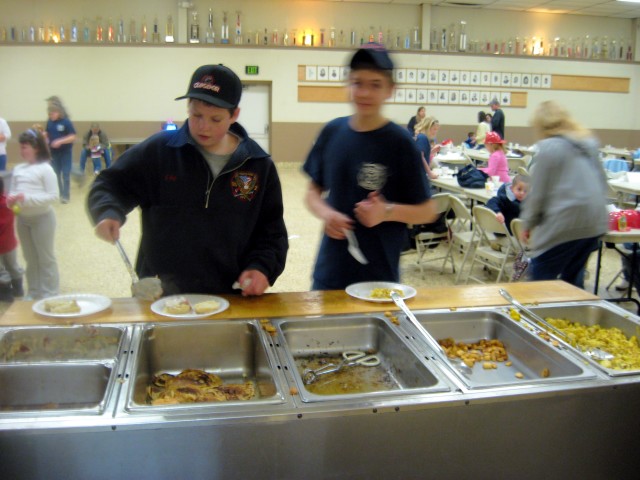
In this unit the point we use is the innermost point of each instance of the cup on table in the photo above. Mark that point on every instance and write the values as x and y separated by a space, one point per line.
496 179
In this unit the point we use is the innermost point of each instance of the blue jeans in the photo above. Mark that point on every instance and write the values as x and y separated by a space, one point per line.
3 163
96 161
566 261
61 163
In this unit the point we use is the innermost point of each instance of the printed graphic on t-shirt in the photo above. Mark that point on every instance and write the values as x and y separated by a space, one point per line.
372 176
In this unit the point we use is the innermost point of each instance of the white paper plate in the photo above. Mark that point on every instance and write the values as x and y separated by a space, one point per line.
88 303
193 298
363 290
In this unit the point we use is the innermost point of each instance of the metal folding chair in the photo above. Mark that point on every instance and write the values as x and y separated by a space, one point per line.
425 240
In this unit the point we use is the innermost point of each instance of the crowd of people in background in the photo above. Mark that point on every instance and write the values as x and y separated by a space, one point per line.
368 179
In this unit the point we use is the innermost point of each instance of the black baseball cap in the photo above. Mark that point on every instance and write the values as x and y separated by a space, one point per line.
215 84
372 55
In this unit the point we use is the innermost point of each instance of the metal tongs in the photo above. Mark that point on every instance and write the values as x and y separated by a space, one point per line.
593 352
145 289
350 359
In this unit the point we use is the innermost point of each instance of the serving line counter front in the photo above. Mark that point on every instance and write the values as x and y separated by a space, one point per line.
94 408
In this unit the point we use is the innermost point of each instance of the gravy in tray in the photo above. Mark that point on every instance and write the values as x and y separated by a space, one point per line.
349 380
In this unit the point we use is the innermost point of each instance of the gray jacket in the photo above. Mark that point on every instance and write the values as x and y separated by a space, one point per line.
568 194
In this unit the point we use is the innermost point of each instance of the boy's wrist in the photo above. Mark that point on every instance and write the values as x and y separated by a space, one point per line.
388 210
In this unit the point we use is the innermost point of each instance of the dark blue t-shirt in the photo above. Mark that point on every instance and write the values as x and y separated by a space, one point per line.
349 165
424 145
58 129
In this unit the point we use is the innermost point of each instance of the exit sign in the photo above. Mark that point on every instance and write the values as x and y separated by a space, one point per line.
251 69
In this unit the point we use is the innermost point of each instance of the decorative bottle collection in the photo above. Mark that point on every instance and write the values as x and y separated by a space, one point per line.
451 39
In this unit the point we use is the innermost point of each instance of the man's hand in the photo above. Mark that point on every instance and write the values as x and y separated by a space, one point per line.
335 223
500 217
108 230
371 211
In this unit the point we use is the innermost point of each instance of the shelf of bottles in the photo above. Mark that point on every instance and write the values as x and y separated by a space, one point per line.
454 39
230 31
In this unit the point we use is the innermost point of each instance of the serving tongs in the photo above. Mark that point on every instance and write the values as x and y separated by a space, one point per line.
593 352
349 359
433 343
146 289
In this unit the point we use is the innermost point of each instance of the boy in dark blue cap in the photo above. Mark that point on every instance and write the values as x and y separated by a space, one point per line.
211 199
367 179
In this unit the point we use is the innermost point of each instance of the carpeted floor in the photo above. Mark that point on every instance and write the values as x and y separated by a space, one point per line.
90 265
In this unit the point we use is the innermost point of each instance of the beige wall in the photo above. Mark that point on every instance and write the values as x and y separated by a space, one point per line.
131 88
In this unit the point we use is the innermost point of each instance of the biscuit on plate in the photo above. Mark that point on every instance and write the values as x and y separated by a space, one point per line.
177 306
61 306
206 307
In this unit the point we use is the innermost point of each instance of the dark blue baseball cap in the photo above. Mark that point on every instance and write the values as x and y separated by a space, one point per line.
371 55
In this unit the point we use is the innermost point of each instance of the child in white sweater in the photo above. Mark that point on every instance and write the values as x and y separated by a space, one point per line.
34 187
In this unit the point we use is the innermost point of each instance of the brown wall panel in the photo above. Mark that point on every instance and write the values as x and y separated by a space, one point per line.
590 84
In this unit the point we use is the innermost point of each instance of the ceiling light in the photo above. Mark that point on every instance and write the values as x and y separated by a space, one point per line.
629 1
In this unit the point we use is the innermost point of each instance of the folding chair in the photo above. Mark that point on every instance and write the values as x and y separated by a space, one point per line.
523 171
517 227
516 163
487 226
462 234
425 240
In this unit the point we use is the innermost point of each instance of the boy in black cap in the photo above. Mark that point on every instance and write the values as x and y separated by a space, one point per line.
366 178
210 197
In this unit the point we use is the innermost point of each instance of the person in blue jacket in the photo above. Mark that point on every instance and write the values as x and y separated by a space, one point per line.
507 200
210 197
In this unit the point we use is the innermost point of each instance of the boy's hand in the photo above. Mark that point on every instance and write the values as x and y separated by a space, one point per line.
500 217
335 223
254 281
108 230
371 211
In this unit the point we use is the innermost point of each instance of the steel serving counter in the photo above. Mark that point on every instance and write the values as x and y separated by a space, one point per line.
434 421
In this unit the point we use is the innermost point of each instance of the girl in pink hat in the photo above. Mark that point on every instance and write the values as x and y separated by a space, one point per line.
497 165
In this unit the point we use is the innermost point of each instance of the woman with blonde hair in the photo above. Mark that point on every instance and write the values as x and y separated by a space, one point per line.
426 131
565 213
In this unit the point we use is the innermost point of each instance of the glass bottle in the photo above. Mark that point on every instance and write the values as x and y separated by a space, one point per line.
294 39
462 42
380 38
99 30
194 28
285 38
341 39
322 39
372 35
604 48
443 40
133 31
86 31
417 41
353 37
586 48
407 39
143 30
275 37
41 33
434 44
224 35
155 34
265 37
169 31
111 34
120 36
332 37
210 34
74 31
452 44
238 28
62 33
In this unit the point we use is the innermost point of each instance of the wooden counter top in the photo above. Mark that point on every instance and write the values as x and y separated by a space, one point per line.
130 310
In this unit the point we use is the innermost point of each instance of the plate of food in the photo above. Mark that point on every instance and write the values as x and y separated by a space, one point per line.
72 305
379 291
189 306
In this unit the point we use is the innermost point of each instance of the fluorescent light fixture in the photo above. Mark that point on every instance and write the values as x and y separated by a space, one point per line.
629 1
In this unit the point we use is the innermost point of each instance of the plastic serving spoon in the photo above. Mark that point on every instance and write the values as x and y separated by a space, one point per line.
353 247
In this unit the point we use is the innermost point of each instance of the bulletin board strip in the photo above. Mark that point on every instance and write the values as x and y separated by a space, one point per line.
340 94
590 84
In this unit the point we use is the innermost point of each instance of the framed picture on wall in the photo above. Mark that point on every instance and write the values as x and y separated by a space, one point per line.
423 76
474 98
311 73
432 96
454 77
475 78
443 96
412 75
485 98
444 77
421 96
344 74
465 78
464 97
546 81
485 79
323 73
496 79
454 97
526 80
434 76
334 74
401 75
505 80
400 95
536 80
516 79
505 98
410 95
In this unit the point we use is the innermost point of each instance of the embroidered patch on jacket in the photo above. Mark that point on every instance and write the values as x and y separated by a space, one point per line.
372 176
244 185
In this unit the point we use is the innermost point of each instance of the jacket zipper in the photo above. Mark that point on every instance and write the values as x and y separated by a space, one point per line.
210 186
